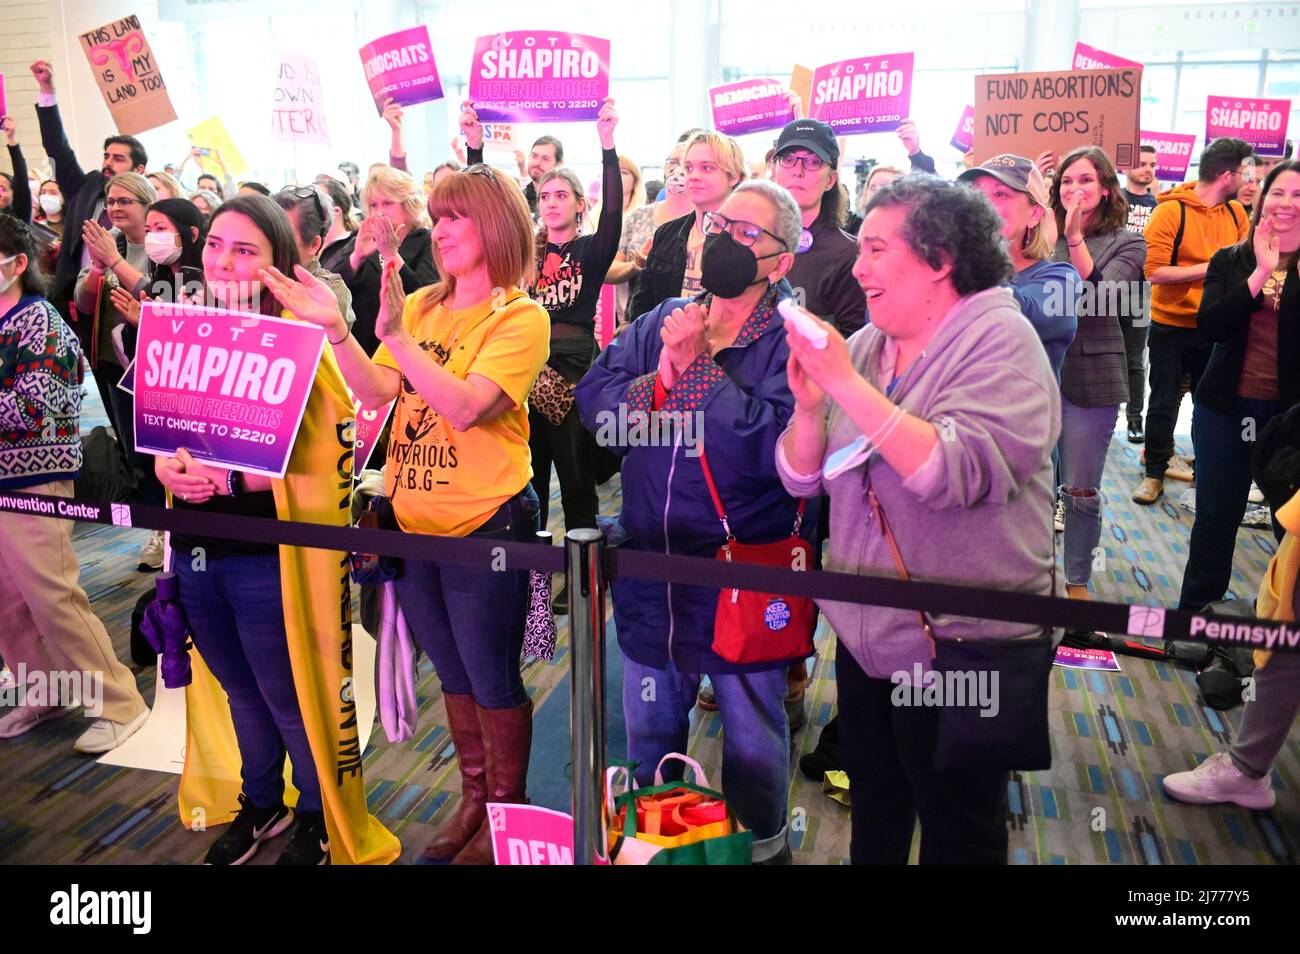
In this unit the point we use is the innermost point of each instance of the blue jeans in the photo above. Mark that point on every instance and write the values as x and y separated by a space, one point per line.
470 622
1085 439
236 615
1223 476
657 706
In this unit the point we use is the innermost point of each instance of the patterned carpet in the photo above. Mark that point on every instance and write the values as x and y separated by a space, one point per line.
1114 736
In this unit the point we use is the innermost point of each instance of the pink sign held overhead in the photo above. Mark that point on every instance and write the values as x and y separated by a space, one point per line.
1261 122
1090 58
401 66
4 107
227 386
1173 154
864 94
753 105
963 140
530 835
539 76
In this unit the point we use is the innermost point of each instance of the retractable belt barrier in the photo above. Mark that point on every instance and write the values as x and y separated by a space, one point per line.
970 601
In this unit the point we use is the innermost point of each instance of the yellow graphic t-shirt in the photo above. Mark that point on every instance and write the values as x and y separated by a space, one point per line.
449 482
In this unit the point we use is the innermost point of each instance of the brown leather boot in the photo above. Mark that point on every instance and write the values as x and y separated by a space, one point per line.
467 736
508 734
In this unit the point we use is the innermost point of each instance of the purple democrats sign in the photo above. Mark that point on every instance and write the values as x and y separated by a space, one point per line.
753 105
401 65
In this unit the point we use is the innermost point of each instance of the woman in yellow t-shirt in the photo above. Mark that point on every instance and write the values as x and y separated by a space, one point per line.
460 356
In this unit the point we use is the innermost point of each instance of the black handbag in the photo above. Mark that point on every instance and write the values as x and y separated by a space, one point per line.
1016 736
372 569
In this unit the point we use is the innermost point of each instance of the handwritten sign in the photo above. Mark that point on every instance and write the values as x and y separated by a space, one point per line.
297 106
530 835
401 65
370 424
752 105
1173 153
863 95
964 137
227 386
1261 122
539 76
1090 58
1027 113
128 76
212 134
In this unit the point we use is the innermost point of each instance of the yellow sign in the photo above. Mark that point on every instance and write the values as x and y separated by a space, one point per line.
211 134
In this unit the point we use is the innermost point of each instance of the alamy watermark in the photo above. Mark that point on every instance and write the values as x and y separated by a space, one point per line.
1102 299
627 428
961 688
55 688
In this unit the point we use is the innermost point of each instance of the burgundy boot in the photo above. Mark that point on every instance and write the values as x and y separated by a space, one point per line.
508 734
467 736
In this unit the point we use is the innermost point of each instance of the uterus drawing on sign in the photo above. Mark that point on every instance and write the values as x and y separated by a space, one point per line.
124 51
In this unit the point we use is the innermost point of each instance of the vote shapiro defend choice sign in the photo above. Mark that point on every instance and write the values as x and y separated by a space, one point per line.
539 76
1027 113
229 387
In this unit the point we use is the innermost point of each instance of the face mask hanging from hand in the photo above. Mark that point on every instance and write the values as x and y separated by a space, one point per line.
727 268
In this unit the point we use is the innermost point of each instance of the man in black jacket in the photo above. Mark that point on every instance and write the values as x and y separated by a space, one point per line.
83 191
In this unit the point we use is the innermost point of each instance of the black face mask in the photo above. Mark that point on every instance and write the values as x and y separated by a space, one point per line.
727 268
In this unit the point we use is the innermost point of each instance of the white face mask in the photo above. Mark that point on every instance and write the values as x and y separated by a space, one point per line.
51 204
161 247
7 283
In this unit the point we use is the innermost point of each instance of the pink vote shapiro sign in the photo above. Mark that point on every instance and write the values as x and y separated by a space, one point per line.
401 65
229 387
530 835
370 424
963 140
1173 154
1261 122
753 105
864 94
539 76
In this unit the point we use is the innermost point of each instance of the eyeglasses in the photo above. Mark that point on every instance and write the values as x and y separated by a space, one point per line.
306 192
810 163
745 233
120 203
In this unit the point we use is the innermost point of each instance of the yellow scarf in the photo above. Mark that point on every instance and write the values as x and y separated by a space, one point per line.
316 488
1278 586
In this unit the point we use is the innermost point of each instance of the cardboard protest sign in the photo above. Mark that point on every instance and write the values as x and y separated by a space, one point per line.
539 76
297 106
864 94
1173 154
1027 113
801 80
211 134
530 835
1261 122
752 105
401 65
1090 58
227 386
128 76
964 137
499 135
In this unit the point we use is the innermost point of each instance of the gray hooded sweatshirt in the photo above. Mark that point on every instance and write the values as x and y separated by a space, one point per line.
979 512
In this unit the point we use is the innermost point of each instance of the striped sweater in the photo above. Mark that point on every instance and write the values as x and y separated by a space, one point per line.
40 396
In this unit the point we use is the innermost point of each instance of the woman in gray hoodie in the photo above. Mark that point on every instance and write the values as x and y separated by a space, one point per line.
957 402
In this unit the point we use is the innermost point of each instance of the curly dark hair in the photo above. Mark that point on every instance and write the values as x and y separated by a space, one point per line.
947 223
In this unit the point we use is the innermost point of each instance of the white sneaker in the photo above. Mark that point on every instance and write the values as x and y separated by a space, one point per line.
1058 518
1256 496
1218 779
151 554
104 735
1188 500
1259 517
22 719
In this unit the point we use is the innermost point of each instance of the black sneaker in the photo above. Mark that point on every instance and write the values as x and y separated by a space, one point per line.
251 827
310 844
1135 435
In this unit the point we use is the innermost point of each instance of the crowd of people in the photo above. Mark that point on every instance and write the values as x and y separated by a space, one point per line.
978 338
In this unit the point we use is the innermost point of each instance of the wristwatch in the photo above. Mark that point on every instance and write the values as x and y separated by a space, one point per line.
233 477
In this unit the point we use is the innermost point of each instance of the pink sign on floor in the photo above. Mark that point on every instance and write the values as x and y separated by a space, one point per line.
530 835
864 94
964 138
1090 58
401 65
539 76
752 105
1173 154
1099 660
1261 122
229 387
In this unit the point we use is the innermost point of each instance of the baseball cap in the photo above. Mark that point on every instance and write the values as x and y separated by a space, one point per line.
1014 171
810 134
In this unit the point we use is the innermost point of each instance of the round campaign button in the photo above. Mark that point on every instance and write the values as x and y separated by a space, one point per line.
805 242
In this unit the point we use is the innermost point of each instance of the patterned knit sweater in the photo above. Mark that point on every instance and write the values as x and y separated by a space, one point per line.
40 396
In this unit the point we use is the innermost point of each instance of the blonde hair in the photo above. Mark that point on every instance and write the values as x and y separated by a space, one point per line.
496 205
638 193
726 152
579 193
401 187
1037 244
168 180
137 185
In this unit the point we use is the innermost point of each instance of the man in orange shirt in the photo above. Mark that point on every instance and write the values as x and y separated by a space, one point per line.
1191 222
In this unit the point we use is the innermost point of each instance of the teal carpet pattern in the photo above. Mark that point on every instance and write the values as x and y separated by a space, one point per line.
1114 736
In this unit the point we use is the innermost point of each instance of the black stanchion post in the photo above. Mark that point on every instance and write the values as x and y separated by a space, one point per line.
585 578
